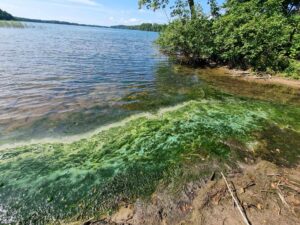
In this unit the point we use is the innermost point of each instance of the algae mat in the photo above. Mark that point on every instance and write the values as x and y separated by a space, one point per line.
47 183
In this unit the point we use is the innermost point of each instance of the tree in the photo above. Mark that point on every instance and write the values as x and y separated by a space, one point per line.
189 41
255 33
260 34
157 4
5 16
214 8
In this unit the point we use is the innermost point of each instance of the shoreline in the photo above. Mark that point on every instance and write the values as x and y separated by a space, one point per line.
79 137
218 129
248 75
268 194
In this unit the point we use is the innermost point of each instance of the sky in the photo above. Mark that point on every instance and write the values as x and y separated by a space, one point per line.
98 12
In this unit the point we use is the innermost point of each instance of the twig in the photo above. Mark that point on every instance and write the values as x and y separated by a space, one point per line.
250 184
279 211
282 199
292 187
274 174
212 176
236 201
293 183
268 191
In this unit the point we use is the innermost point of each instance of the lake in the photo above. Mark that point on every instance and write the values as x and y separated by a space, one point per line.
91 118
64 80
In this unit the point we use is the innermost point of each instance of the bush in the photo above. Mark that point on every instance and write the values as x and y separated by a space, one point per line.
295 48
182 38
261 34
293 70
254 34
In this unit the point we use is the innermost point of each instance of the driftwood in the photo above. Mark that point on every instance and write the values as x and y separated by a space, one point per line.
236 201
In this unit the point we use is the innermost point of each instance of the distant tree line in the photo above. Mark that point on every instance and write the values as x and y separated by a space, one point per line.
144 26
259 34
5 15
55 22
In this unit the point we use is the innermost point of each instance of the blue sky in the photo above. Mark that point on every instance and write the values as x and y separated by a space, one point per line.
100 12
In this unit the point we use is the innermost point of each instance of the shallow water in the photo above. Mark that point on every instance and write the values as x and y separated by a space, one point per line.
61 80
83 84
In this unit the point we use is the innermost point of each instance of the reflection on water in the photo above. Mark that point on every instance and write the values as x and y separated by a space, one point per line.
64 80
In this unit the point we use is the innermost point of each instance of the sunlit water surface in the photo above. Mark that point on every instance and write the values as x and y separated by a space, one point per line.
63 80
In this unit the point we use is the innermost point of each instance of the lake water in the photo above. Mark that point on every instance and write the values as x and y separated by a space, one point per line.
63 80
58 81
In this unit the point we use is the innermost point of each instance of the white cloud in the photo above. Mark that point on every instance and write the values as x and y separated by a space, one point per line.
133 20
84 2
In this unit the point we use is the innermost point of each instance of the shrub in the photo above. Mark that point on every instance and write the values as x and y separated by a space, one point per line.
191 40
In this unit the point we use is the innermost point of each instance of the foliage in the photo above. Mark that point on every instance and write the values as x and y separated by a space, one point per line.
5 15
181 38
144 26
293 70
180 10
254 33
154 4
158 4
259 34
295 37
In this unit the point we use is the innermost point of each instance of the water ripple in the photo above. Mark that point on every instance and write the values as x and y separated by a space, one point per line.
54 75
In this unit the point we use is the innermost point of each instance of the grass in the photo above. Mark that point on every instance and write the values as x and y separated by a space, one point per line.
11 24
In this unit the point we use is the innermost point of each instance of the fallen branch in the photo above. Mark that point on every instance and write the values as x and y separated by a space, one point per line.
236 201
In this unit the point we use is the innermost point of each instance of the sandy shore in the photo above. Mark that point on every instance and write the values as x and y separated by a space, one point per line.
267 193
263 79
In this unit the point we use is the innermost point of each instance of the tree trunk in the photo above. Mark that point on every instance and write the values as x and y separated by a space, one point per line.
192 8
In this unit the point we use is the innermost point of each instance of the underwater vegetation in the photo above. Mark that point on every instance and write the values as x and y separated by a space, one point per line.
46 183
11 24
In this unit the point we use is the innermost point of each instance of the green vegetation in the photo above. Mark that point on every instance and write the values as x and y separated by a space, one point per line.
262 35
144 26
51 182
56 22
11 24
5 15
293 70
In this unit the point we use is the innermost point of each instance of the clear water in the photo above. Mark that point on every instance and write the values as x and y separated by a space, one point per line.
62 80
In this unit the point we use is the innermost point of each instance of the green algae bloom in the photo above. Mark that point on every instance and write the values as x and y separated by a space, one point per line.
44 183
